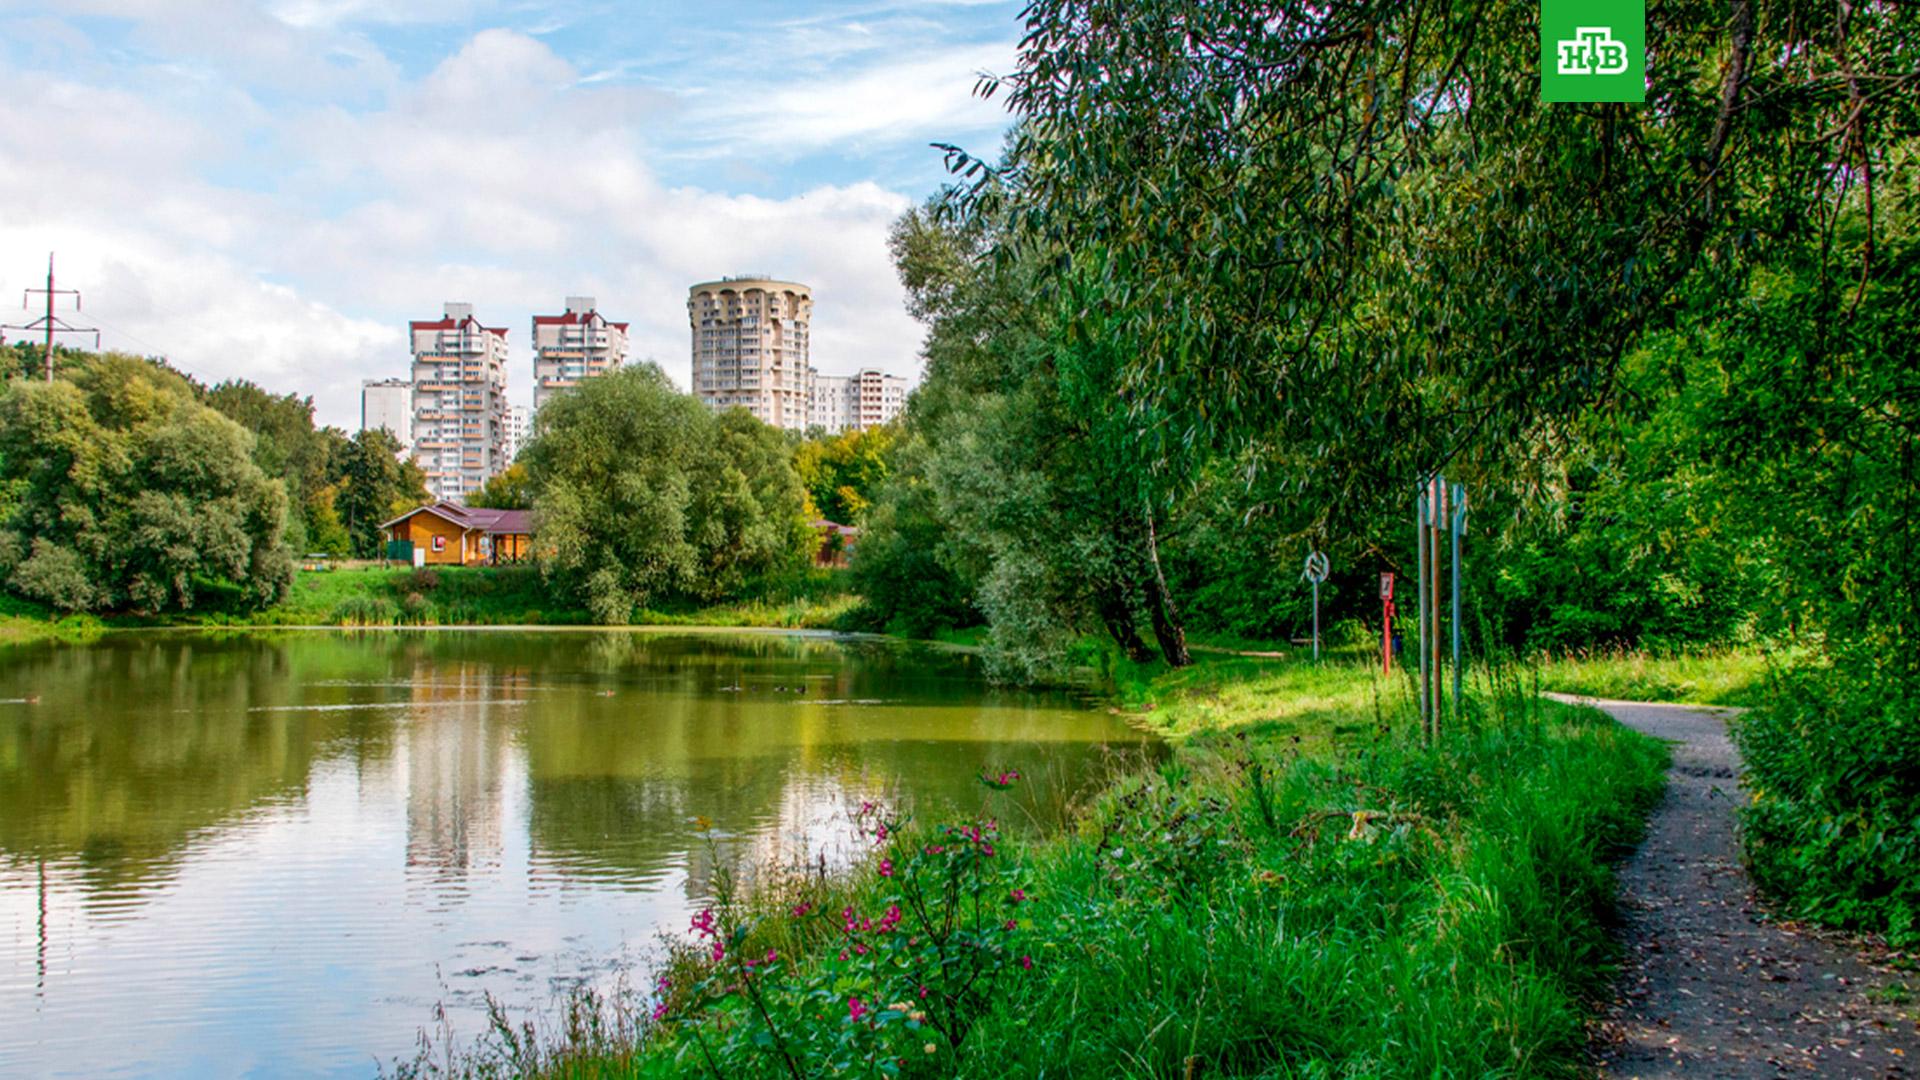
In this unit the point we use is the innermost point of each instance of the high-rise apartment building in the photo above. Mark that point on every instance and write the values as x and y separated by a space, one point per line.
577 345
847 402
750 347
388 403
459 401
519 430
877 398
831 406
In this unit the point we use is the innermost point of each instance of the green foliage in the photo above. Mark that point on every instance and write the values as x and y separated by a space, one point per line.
288 445
911 579
644 496
1833 772
126 492
508 489
842 472
376 485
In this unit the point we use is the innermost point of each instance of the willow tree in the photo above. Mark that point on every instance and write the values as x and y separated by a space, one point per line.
1351 237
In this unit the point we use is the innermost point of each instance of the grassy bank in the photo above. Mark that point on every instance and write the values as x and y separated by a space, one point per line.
462 596
1302 888
23 620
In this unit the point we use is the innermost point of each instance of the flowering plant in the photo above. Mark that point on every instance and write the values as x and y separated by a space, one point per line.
894 979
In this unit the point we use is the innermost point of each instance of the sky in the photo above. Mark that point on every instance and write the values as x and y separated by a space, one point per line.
271 190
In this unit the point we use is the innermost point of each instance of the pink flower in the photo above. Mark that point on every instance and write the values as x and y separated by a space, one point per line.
1026 962
855 1010
800 910
879 834
923 993
1011 925
703 923
859 950
986 849
934 849
772 956
843 954
846 918
1019 895
890 919
886 867
660 1011
719 952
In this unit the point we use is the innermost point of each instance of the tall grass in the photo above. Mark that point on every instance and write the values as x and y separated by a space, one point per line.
1709 677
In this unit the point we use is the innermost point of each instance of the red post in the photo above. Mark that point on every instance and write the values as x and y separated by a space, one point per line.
1386 624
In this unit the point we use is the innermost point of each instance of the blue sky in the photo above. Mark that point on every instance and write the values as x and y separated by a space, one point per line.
270 190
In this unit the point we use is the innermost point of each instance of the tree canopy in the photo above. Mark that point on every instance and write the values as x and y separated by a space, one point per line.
642 495
123 490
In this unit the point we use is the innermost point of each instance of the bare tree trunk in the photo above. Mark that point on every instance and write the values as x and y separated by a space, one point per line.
1118 615
1166 617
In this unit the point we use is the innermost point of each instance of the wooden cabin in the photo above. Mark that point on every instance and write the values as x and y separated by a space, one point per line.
449 534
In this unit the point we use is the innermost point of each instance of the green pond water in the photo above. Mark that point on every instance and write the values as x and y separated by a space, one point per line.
276 853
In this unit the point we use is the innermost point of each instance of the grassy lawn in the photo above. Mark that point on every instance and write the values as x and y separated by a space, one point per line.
1300 887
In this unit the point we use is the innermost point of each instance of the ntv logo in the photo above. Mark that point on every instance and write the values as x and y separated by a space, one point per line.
1592 50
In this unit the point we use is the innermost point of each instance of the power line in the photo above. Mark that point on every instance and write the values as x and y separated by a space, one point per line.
50 324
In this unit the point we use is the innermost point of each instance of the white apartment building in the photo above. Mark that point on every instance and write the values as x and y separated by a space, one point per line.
519 430
877 398
865 400
573 346
831 406
388 403
750 347
459 401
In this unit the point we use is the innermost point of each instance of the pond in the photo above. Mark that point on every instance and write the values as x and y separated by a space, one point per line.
277 853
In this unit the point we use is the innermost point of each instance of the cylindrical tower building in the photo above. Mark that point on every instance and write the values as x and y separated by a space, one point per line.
750 347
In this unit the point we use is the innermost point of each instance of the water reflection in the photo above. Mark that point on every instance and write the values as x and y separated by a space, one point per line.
278 851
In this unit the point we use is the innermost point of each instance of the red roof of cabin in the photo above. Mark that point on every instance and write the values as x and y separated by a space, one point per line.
479 518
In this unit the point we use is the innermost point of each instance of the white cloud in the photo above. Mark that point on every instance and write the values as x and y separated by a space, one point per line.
246 233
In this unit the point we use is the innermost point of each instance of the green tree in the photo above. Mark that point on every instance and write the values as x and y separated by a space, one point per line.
376 485
129 493
748 516
644 496
508 489
841 472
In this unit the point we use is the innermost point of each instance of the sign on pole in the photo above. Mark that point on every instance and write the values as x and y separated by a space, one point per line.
1316 572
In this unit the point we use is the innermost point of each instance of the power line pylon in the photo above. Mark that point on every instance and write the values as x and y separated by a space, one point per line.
50 324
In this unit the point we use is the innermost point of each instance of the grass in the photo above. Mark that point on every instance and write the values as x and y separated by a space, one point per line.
24 621
1301 888
1720 677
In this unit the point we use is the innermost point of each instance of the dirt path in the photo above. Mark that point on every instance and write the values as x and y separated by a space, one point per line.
1710 987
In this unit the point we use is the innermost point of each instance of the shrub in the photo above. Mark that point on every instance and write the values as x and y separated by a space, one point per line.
1833 778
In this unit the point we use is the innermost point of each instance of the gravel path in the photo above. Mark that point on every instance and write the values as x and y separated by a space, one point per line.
1710 986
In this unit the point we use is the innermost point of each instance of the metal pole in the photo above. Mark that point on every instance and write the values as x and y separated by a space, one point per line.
1433 595
1316 621
1458 523
1420 621
49 316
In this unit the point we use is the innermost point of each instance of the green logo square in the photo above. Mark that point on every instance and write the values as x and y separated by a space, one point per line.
1593 50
